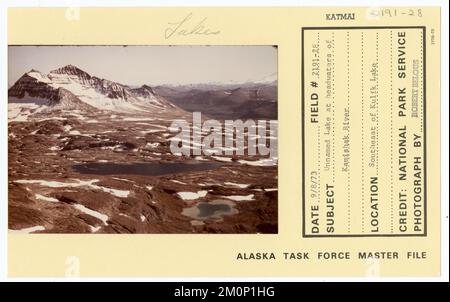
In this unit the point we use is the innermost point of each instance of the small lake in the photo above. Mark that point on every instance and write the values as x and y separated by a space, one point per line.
213 209
149 169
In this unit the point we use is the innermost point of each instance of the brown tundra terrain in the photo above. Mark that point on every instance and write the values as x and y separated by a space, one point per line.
88 155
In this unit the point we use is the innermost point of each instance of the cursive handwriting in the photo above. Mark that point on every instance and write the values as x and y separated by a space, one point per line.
187 27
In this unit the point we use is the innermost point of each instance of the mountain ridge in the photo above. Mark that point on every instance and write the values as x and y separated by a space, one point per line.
81 90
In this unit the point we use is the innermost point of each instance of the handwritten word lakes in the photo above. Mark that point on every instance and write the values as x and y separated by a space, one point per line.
189 27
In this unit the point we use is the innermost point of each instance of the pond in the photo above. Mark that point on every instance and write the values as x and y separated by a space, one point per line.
213 209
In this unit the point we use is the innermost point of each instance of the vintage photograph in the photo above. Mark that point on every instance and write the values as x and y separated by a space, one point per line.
142 139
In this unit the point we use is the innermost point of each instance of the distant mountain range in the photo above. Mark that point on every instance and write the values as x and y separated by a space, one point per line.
269 80
229 101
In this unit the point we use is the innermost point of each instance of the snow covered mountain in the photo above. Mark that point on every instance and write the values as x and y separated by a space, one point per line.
268 80
69 87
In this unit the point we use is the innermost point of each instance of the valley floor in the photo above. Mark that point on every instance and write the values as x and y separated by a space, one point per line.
52 187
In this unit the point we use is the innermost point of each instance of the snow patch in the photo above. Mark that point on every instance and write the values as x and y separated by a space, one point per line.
137 119
93 213
45 198
152 145
74 132
55 118
192 195
75 184
200 158
90 95
27 230
261 163
95 229
19 110
151 131
242 186
123 179
177 182
240 197
39 76
222 159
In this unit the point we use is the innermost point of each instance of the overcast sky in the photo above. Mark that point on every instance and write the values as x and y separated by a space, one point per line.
153 65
